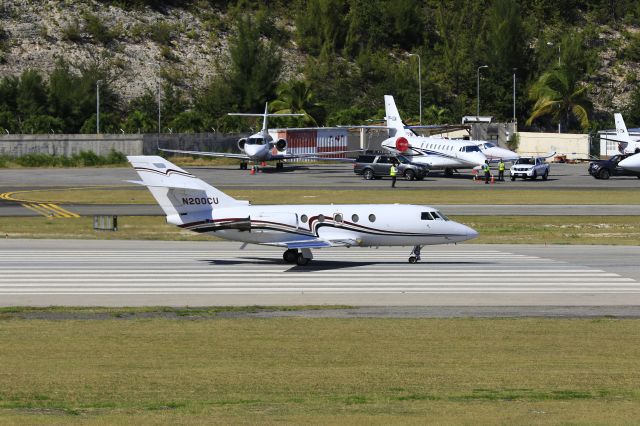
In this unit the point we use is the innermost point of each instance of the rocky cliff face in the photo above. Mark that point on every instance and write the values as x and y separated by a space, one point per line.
139 46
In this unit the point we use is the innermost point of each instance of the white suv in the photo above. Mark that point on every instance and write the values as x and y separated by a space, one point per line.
530 167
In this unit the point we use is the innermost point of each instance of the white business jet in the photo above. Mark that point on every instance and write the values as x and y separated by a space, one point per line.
631 163
438 153
193 204
257 148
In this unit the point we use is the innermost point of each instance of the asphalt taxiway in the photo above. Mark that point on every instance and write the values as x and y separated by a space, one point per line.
590 280
312 177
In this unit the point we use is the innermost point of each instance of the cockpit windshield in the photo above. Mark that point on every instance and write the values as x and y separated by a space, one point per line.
436 215
488 145
522 160
255 141
470 148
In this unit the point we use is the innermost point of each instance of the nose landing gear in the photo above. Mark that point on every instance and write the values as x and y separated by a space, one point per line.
415 254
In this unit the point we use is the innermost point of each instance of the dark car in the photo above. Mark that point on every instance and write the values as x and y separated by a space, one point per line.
376 166
603 169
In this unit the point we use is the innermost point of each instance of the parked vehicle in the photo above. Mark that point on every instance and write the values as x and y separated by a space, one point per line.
603 169
530 167
377 166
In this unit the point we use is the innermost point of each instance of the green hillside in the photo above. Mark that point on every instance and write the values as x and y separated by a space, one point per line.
575 62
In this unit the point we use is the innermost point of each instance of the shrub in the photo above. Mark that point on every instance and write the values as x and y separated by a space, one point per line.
72 31
94 26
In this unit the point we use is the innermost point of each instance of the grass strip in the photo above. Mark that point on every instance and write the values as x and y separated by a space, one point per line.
110 195
302 370
610 230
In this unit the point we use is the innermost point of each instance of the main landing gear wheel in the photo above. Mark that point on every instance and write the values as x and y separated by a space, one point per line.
290 256
243 166
415 254
301 260
279 165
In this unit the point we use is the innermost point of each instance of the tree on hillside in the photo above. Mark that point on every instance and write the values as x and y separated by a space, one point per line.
558 95
320 25
31 96
505 49
296 97
254 67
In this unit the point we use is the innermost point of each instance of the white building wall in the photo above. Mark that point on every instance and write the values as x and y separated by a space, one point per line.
574 146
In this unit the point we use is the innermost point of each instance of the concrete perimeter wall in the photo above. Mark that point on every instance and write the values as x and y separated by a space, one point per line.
574 146
129 144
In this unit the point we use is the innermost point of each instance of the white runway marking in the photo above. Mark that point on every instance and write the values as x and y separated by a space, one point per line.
448 270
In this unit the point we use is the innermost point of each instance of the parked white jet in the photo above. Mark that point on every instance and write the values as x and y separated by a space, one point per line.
193 204
257 148
437 153
626 144
631 163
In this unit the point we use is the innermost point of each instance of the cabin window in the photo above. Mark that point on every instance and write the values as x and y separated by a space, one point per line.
304 218
337 217
355 218
372 218
320 218
426 216
160 165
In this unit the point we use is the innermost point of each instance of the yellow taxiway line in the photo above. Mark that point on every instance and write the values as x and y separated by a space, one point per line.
45 209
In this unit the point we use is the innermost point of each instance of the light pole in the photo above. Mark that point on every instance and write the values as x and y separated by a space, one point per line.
478 89
549 43
419 83
159 103
514 94
98 106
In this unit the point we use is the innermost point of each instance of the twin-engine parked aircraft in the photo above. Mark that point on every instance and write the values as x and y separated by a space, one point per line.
193 204
257 148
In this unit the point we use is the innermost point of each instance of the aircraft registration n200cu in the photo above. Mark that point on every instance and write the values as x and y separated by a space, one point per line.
192 204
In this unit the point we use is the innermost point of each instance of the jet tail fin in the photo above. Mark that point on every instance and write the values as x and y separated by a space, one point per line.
178 192
394 122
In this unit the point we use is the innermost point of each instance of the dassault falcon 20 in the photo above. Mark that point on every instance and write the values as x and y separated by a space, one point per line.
192 204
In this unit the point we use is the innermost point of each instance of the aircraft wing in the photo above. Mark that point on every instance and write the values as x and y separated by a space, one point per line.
316 243
207 154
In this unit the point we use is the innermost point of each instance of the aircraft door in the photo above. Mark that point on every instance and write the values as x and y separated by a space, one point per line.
274 221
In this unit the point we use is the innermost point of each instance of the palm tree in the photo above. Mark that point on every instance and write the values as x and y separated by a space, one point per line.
558 94
296 97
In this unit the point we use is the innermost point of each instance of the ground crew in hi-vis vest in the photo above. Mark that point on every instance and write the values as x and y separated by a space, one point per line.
393 171
501 170
487 171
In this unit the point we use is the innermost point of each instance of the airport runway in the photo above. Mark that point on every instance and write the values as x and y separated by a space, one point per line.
148 273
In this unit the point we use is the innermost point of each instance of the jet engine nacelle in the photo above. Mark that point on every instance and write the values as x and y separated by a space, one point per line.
281 145
402 144
241 143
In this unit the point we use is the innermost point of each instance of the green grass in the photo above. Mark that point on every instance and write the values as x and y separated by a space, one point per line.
301 370
111 195
614 230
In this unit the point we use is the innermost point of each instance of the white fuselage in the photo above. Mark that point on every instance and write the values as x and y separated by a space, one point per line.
362 225
258 147
439 153
631 163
